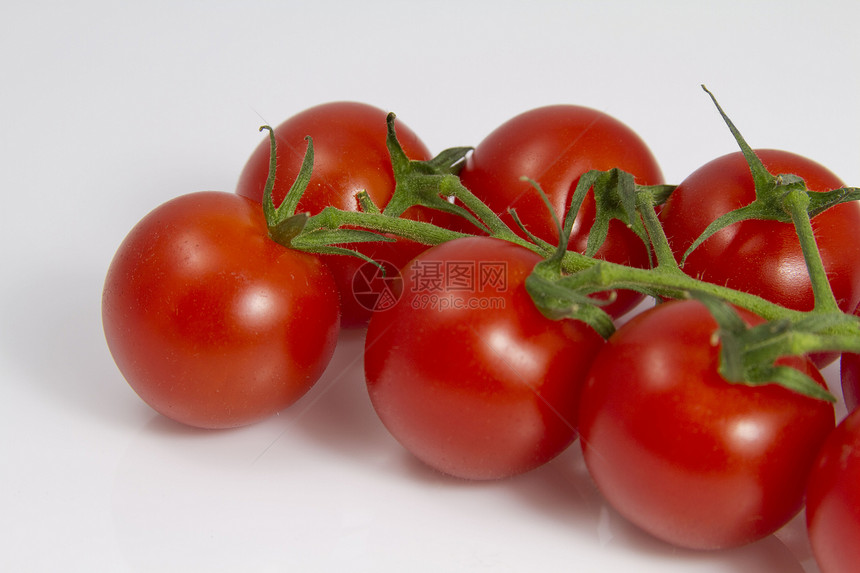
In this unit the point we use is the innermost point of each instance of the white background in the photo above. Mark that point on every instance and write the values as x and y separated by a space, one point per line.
107 109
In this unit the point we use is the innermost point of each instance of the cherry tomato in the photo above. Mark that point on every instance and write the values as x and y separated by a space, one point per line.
466 373
211 322
554 146
833 500
685 455
763 257
350 155
849 370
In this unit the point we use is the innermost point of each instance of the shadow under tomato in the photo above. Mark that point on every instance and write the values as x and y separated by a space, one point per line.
591 515
51 334
336 414
768 555
561 490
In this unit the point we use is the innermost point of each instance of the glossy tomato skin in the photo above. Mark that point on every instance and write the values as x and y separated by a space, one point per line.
692 459
350 155
212 323
555 145
833 500
763 257
471 378
849 371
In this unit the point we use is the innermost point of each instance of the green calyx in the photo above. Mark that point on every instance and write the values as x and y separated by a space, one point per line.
423 182
282 221
749 355
333 231
771 192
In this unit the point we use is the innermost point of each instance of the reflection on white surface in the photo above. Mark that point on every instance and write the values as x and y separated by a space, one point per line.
320 487
323 487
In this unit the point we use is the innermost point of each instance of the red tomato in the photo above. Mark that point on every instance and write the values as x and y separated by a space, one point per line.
466 373
554 146
849 369
350 155
211 322
685 455
833 500
763 257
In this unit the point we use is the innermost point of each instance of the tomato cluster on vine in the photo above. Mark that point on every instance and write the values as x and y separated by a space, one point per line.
217 318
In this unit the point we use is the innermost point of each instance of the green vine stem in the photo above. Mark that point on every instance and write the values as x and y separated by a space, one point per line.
796 203
563 284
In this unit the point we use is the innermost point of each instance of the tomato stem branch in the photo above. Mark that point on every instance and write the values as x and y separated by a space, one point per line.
563 284
451 186
659 243
796 202
332 218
